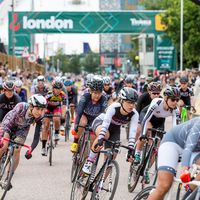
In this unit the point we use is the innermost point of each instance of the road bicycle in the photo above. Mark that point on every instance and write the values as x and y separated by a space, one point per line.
101 184
7 166
195 195
51 143
149 157
82 152
67 125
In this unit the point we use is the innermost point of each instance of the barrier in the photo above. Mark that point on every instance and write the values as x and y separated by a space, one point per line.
15 63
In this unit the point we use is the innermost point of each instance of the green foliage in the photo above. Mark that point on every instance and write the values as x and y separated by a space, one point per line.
134 51
191 27
91 62
74 65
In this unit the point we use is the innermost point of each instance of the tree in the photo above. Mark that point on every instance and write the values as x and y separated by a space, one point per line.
74 64
191 27
91 62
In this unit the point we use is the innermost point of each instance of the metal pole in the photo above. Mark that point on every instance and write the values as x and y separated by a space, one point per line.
181 38
13 35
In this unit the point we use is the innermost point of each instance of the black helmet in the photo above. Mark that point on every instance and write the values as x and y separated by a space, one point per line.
127 93
57 84
129 79
8 85
154 87
96 83
184 79
172 92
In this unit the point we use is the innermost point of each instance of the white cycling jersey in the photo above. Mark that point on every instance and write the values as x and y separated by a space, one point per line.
156 108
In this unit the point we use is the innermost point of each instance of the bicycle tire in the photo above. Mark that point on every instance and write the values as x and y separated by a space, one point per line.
144 193
8 162
50 146
100 180
67 126
134 174
178 191
77 185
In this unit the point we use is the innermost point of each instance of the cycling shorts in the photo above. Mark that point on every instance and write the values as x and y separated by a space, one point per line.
168 156
56 110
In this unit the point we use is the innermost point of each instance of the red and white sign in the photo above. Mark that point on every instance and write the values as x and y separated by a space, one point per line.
32 58
25 53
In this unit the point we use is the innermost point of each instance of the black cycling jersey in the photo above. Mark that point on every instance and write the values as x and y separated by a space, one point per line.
72 96
185 96
143 101
7 104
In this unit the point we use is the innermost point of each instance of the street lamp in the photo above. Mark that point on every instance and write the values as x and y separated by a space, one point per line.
181 37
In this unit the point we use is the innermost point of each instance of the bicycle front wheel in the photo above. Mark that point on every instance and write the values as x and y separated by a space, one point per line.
67 126
106 185
6 174
144 194
50 148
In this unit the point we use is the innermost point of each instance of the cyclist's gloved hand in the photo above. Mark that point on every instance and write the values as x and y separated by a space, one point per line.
130 155
28 155
99 143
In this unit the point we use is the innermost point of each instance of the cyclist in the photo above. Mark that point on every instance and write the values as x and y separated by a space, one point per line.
40 88
16 125
72 97
172 81
186 94
141 84
107 125
20 91
8 99
108 89
156 113
129 81
56 104
183 140
91 104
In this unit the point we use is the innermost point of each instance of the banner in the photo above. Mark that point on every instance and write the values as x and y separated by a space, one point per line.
165 54
86 22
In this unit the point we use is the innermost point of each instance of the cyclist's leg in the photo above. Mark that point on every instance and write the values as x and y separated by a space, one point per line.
5 144
56 121
45 132
168 155
72 111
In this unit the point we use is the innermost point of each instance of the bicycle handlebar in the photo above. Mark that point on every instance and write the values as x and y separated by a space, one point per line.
51 116
13 142
156 130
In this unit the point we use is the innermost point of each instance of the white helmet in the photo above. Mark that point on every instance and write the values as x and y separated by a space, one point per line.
41 78
37 100
106 80
18 83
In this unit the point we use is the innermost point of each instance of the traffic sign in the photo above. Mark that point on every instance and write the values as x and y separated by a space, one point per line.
25 53
32 58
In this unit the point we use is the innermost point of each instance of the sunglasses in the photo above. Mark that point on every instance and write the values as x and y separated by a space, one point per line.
173 100
183 83
155 93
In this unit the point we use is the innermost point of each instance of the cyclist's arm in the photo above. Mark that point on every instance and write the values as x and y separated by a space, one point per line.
80 109
176 117
148 115
64 102
133 128
139 104
107 120
190 144
36 135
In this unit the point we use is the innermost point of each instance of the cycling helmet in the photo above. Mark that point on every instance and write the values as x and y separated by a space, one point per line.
41 78
172 92
57 84
68 82
89 78
184 79
129 79
154 87
172 78
96 83
142 76
18 83
8 85
127 93
37 100
106 80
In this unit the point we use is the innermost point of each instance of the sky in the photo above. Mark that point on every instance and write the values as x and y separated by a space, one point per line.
72 43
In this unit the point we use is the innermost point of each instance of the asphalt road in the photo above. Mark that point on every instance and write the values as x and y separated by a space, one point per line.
36 180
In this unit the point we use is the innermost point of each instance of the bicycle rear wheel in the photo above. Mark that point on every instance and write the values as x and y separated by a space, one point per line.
6 174
67 126
144 194
106 185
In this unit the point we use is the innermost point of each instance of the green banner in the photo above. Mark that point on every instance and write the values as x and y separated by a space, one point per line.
86 22
165 54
